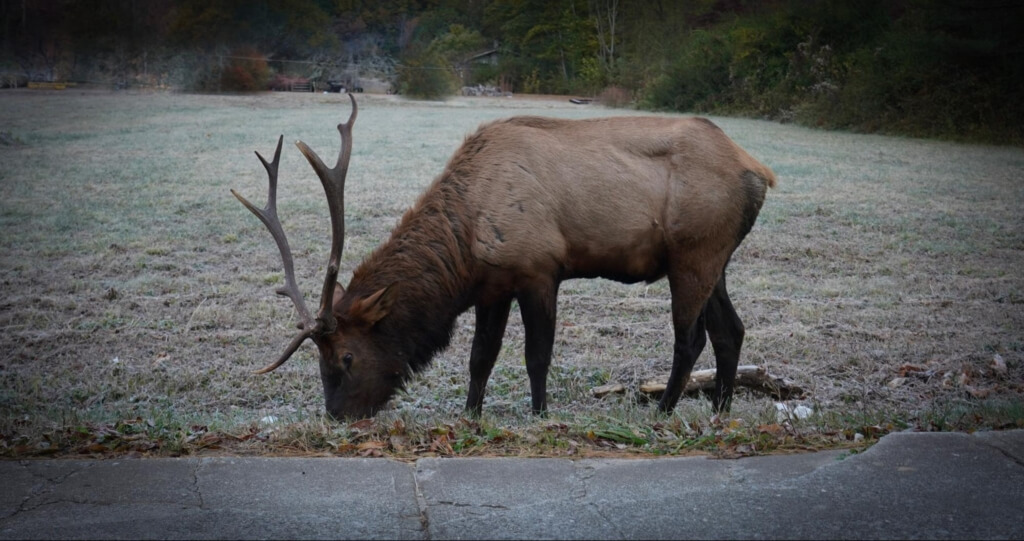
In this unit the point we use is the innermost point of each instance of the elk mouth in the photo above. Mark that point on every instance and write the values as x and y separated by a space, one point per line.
343 405
343 412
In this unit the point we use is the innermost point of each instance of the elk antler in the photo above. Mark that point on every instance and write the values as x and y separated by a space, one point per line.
333 180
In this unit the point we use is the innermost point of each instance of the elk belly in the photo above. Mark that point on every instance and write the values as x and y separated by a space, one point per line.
628 256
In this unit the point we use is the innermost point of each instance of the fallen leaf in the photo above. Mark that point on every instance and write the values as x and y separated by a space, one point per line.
210 440
398 442
372 444
873 431
744 449
896 382
916 371
503 436
978 393
447 431
143 445
947 379
441 445
362 425
94 448
910 369
964 378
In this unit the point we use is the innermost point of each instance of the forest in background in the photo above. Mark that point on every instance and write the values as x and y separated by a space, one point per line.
937 68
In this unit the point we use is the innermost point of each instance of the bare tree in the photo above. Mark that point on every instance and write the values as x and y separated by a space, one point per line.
605 14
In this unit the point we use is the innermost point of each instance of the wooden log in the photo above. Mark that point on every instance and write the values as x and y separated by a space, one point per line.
611 388
750 376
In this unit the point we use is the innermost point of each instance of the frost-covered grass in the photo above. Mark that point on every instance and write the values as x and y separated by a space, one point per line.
137 294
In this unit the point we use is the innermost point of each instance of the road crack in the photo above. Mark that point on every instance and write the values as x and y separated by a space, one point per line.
583 473
195 483
1013 458
48 485
479 505
421 502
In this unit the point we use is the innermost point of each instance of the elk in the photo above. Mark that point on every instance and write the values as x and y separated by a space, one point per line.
525 203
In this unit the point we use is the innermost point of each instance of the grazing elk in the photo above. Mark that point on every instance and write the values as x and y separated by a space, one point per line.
524 204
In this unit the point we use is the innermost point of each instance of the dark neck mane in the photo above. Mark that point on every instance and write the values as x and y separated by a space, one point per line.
427 266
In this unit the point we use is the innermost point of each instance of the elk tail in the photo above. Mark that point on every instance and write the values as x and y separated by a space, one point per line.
766 174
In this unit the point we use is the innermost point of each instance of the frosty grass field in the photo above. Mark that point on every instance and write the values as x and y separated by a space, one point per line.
883 275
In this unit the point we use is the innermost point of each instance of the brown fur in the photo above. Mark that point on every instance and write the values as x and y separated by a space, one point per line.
527 202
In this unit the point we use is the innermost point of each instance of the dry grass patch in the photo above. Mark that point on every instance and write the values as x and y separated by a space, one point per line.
883 275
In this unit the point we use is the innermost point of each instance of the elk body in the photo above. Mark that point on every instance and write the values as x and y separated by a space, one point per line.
522 205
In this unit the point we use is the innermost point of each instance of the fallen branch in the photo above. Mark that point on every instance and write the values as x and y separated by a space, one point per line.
703 381
611 388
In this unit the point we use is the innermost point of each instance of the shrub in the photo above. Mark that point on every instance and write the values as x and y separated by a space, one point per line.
699 79
615 96
426 76
921 71
247 71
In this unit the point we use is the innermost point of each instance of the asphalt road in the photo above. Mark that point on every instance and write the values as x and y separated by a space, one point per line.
909 485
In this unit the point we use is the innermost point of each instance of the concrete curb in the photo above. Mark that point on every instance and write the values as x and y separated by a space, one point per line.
909 485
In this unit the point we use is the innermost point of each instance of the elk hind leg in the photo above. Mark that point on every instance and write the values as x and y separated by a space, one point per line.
490 329
538 307
689 294
726 331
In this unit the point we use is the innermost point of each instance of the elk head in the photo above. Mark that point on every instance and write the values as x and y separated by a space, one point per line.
355 370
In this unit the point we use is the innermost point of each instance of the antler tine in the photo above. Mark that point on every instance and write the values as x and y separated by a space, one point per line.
268 215
292 347
333 180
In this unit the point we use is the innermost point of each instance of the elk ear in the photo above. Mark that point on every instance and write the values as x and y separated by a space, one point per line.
339 292
370 310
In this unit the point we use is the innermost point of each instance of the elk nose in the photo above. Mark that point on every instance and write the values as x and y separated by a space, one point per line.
342 414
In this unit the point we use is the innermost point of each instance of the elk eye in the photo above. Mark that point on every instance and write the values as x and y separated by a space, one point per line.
347 360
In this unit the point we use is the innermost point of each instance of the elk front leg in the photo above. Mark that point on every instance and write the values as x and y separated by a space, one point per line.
490 329
538 307
726 332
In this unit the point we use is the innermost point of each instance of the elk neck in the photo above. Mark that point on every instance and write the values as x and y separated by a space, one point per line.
427 266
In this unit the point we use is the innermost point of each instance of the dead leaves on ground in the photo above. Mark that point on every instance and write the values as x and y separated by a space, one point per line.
128 437
975 381
368 438
721 437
